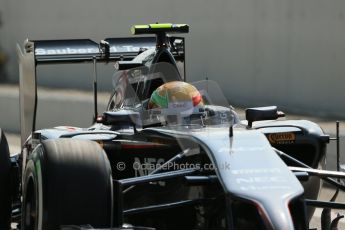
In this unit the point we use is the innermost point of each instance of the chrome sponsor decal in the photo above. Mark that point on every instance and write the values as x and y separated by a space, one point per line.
67 50
87 50
147 166
256 179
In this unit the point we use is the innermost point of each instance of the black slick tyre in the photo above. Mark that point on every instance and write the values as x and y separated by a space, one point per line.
67 182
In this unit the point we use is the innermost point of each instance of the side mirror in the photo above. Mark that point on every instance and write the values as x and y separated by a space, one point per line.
262 113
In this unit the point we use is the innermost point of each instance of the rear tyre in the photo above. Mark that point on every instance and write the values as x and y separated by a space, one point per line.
67 182
5 185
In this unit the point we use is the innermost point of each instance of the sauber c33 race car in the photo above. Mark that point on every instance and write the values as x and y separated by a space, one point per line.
165 154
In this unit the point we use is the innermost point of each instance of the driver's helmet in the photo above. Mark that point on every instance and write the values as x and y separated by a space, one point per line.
175 95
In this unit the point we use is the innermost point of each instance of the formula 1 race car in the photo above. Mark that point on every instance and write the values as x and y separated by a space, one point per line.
166 154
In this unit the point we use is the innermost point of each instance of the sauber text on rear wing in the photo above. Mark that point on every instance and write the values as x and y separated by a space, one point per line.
80 50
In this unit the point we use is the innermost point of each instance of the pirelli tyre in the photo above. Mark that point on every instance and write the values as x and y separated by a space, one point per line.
67 182
5 185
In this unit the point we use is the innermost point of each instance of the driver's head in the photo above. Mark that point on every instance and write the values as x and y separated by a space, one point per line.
177 95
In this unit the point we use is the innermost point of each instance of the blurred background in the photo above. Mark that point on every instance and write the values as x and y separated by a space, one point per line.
289 53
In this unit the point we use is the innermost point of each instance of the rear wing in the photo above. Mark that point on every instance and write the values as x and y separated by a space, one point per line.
83 50
38 52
